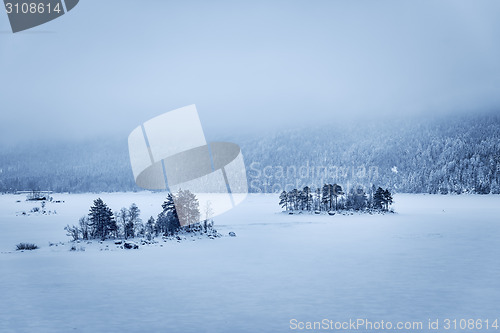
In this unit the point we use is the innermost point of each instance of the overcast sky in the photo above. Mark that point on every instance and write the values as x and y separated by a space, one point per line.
107 66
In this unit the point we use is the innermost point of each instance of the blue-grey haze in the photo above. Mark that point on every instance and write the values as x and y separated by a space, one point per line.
107 66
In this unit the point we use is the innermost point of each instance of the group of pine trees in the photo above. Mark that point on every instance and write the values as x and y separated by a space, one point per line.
181 210
332 197
101 223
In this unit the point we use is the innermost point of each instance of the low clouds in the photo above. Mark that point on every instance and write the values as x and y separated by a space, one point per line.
247 66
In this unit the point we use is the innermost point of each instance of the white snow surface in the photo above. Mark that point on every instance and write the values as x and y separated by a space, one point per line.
436 257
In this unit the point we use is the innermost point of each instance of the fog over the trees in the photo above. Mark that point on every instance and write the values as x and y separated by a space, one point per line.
110 65
443 155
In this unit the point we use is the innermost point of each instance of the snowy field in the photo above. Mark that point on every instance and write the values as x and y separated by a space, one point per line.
438 257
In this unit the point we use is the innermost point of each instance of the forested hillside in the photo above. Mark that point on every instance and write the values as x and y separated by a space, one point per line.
456 155
446 155
92 166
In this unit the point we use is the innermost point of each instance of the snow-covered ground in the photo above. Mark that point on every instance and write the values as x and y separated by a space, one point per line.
438 257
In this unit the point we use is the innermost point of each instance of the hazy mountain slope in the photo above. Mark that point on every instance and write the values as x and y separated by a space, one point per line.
91 166
454 154
436 156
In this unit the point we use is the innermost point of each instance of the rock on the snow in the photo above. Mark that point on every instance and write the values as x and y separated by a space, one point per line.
131 245
232 234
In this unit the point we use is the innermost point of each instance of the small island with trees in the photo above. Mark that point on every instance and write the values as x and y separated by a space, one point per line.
180 216
331 198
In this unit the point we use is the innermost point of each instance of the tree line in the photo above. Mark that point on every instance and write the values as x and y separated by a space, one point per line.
428 155
459 154
332 197
180 213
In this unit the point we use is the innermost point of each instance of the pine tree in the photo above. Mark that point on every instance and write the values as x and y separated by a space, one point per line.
387 199
336 191
168 221
306 198
300 200
112 226
173 222
102 220
161 226
357 199
317 199
326 197
284 200
169 205
378 199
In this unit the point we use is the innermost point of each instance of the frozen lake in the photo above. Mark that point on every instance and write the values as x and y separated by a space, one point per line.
438 257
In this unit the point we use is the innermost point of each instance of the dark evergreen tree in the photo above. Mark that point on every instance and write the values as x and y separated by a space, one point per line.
378 198
306 198
326 197
336 191
173 222
356 199
167 222
161 226
284 200
317 199
387 199
102 221
300 200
